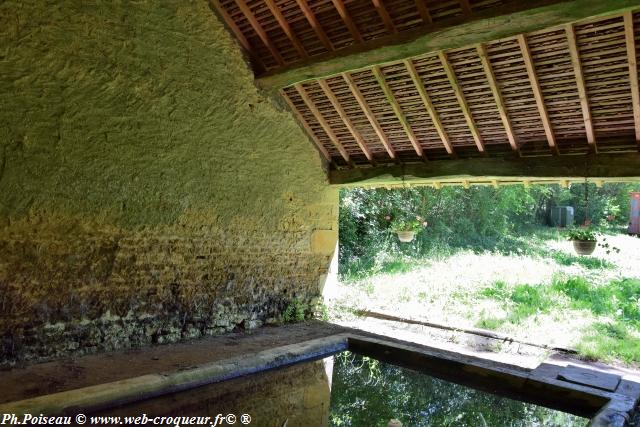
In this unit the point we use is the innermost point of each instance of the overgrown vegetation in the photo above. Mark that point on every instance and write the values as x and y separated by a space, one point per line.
490 259
478 218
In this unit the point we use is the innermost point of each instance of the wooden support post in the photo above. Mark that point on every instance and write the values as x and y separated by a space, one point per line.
633 70
306 126
428 105
345 119
377 72
582 88
370 116
258 29
325 126
497 96
537 92
451 75
313 21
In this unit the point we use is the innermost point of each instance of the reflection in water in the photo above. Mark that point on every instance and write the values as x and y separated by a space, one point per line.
366 392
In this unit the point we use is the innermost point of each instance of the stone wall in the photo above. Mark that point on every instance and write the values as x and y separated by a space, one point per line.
148 191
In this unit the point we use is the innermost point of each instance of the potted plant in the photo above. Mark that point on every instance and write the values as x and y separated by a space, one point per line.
584 240
406 228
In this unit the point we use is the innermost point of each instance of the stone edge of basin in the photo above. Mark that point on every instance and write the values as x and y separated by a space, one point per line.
107 395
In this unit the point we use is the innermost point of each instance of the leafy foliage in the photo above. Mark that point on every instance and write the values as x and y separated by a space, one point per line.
295 312
478 218
582 233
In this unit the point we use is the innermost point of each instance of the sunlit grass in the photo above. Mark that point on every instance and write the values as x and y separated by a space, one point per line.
534 288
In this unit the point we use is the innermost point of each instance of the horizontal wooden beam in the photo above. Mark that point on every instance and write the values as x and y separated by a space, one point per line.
484 26
625 167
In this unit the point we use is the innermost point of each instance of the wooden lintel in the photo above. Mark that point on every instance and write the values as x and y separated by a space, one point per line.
497 95
607 167
284 24
377 72
313 21
345 119
537 92
259 30
425 15
355 91
306 127
346 18
633 70
384 15
428 105
582 87
325 126
451 75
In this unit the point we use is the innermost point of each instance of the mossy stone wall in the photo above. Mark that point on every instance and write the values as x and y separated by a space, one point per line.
148 191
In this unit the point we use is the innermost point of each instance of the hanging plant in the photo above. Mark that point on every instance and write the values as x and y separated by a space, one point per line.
406 228
584 240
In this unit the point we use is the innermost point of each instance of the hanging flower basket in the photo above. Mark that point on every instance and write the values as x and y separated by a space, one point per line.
406 236
584 240
584 247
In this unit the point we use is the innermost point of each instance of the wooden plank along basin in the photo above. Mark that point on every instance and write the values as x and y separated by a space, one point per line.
294 384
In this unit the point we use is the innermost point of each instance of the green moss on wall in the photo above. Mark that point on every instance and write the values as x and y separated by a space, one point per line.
126 125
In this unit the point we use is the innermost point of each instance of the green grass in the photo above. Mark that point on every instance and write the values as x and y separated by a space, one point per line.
618 300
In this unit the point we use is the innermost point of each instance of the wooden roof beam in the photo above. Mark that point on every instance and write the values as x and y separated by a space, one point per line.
485 25
609 167
313 21
348 123
633 70
425 15
451 75
466 7
231 24
258 29
428 104
497 96
384 15
306 126
537 92
346 18
582 87
284 24
377 72
355 91
325 126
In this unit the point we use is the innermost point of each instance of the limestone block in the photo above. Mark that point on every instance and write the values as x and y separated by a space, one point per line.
324 241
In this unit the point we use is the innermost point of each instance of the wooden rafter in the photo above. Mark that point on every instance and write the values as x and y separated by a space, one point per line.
232 24
325 126
377 72
284 24
537 92
258 29
343 115
384 15
346 18
633 70
497 96
428 104
306 126
313 21
355 91
466 7
582 88
424 12
451 75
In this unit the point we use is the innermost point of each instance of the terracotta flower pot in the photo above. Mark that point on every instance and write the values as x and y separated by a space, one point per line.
584 247
406 236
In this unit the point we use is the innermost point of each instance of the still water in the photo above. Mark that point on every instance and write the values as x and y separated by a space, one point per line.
348 390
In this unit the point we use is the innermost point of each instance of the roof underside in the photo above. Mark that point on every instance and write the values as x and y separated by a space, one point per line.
564 90
280 33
